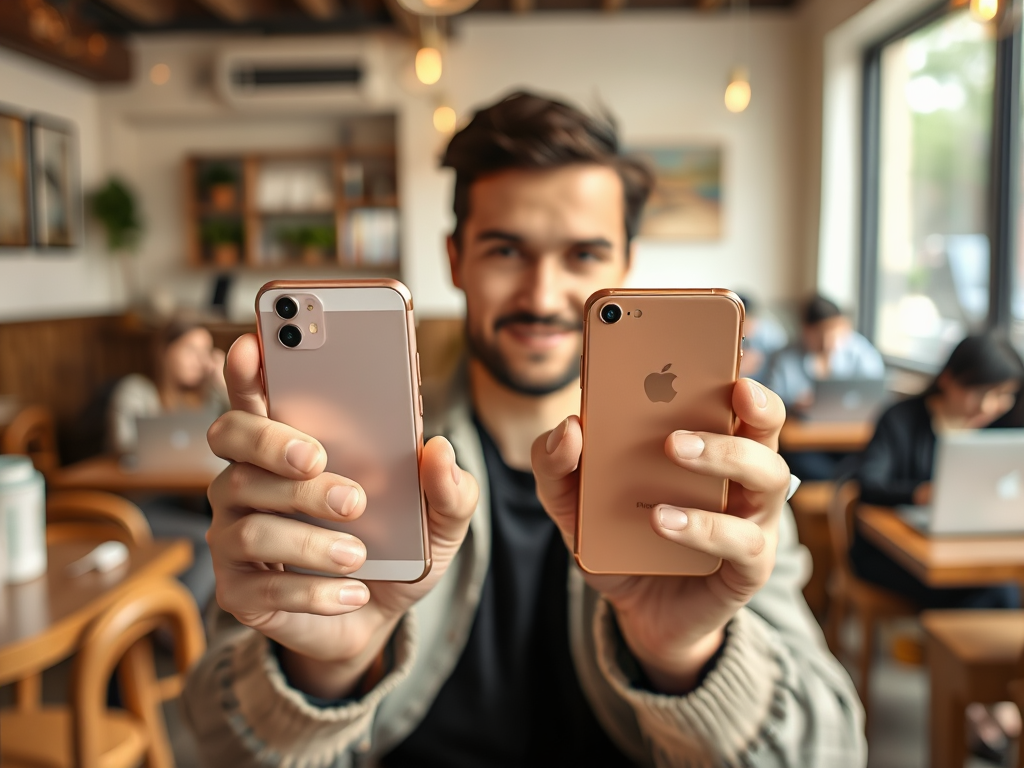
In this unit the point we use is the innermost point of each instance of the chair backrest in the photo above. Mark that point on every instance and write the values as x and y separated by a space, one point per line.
151 604
32 432
841 512
72 515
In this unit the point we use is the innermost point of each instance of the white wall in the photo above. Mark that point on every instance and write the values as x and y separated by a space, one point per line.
82 280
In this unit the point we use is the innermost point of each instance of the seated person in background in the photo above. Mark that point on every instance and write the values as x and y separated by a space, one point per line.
978 388
828 348
763 336
190 376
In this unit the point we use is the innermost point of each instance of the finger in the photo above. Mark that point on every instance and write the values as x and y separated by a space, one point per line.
270 445
265 538
451 493
242 374
742 543
555 457
747 462
262 592
328 496
760 411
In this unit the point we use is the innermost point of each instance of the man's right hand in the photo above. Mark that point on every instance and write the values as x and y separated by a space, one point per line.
332 628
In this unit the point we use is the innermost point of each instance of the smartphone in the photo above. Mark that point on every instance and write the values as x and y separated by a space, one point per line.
340 364
654 361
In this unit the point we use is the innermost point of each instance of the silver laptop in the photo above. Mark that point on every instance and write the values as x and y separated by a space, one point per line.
846 400
175 443
979 485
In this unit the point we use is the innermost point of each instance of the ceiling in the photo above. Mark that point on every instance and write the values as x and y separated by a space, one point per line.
323 16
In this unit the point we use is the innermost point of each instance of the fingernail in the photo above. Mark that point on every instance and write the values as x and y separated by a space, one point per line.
353 594
456 471
760 397
302 455
671 518
687 445
556 435
345 553
343 499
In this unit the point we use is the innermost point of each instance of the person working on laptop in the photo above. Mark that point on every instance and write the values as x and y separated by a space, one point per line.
828 348
506 654
978 388
190 377
763 336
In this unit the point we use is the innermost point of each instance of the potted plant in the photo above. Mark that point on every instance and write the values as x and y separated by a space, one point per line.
224 237
221 185
113 206
312 243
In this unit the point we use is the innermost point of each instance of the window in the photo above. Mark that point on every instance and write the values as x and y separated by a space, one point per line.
933 190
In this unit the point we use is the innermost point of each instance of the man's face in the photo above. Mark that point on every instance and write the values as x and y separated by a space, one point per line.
827 336
533 248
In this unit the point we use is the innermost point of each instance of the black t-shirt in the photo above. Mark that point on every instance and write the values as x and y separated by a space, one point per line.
513 699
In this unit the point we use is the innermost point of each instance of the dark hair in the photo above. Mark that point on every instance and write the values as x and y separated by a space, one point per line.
526 131
818 309
173 331
750 304
987 359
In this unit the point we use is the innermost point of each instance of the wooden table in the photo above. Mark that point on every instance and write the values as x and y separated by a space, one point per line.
837 437
944 561
105 473
41 621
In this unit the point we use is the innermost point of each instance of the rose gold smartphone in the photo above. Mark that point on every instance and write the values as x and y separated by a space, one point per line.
654 361
340 364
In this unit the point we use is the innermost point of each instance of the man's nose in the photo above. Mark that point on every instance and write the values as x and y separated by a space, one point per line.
546 287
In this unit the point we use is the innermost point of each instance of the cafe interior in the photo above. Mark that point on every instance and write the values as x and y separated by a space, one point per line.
851 168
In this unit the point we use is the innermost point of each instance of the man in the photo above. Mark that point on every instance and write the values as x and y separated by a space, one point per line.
507 654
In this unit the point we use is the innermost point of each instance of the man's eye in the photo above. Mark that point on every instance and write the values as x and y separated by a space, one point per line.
506 251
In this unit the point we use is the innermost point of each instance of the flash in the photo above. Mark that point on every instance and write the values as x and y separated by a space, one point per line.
637 313
312 328
309 307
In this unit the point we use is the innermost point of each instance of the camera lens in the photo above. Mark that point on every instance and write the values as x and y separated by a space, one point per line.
290 335
287 308
611 313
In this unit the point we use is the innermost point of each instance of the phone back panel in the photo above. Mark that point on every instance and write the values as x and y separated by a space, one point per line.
670 366
357 393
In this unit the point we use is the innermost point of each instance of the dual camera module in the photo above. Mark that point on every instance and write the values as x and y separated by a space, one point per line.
290 335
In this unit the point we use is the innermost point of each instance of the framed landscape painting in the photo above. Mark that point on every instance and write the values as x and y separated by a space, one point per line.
14 210
55 197
687 200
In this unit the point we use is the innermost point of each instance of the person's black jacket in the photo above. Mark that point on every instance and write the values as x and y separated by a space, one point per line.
900 456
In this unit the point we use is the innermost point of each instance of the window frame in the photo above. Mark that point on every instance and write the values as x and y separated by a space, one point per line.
1003 195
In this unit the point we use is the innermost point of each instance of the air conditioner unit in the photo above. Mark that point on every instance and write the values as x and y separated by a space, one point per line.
311 74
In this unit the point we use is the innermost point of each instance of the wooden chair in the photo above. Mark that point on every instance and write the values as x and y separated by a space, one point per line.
94 515
846 591
87 734
810 510
32 432
972 657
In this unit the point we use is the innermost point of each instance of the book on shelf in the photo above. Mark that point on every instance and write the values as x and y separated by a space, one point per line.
371 237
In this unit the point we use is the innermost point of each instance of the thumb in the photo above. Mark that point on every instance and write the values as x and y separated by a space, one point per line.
555 459
451 497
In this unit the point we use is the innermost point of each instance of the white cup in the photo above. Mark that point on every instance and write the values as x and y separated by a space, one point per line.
23 517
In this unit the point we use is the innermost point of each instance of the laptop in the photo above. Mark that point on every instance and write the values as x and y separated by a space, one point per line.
176 443
846 400
979 485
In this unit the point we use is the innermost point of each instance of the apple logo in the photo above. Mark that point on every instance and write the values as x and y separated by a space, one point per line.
1008 486
658 386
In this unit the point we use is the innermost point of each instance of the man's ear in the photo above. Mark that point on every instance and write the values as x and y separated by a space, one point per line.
453 261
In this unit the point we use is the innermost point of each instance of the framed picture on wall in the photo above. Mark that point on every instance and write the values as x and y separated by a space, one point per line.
55 196
14 206
687 200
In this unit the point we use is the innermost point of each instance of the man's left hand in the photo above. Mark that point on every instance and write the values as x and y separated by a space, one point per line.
675 625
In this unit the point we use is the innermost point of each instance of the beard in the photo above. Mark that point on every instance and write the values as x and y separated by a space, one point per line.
494 361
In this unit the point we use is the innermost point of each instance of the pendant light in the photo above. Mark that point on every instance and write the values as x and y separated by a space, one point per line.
984 10
737 92
437 7
429 64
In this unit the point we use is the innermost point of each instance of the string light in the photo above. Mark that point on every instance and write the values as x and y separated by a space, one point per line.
737 93
159 74
445 119
984 10
428 65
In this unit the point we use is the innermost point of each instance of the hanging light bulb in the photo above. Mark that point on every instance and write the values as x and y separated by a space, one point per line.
445 119
737 93
428 65
984 10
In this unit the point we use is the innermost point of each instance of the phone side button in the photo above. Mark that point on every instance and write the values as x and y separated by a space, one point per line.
421 406
581 371
419 376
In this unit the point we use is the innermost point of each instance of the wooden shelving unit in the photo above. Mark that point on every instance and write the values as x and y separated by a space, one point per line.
331 207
